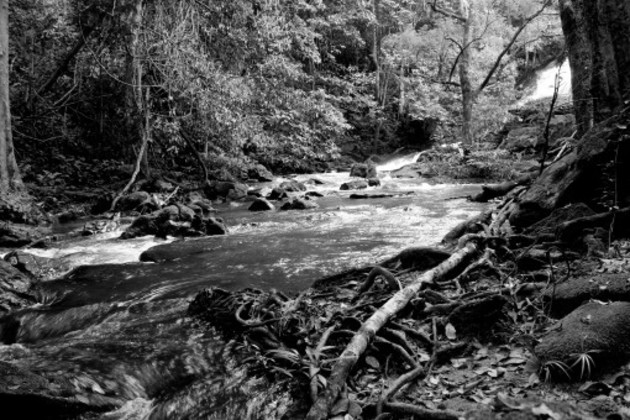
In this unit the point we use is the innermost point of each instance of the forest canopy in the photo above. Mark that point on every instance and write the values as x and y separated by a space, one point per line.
289 84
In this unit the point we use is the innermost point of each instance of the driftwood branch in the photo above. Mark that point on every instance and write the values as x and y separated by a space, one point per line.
361 340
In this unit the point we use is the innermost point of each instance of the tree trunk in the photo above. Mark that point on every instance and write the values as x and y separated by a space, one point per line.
136 112
468 96
598 39
377 64
10 179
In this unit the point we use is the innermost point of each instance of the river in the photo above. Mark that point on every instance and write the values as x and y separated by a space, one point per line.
117 330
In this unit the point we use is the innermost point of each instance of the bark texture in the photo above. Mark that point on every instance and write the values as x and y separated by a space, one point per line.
10 180
598 39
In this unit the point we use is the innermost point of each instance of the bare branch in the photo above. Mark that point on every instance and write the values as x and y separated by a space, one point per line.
510 44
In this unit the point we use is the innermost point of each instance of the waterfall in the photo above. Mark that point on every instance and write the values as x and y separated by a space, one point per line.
398 162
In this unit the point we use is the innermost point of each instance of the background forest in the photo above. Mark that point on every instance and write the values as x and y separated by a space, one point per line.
293 85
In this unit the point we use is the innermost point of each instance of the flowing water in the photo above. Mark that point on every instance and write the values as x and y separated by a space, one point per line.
117 330
546 78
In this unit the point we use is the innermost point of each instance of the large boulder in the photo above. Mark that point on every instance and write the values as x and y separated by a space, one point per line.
38 267
521 139
224 189
354 185
414 171
16 235
139 200
293 186
194 200
15 289
593 337
143 225
363 170
259 173
277 194
209 225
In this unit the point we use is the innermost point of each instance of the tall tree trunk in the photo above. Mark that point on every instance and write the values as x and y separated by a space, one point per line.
598 39
375 51
10 179
135 106
468 93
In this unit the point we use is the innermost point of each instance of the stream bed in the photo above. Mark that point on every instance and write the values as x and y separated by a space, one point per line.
117 334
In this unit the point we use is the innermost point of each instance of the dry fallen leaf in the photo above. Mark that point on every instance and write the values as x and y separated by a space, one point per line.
451 332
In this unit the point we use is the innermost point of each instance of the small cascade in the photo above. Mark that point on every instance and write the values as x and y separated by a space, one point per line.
398 162
546 79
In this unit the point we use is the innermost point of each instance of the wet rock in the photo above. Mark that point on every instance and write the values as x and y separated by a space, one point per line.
563 298
314 181
293 186
94 227
209 225
354 185
374 182
363 170
313 194
176 250
299 204
195 199
260 173
414 171
238 192
142 226
134 201
177 212
261 204
224 189
15 289
590 339
38 267
277 194
35 397
521 139
15 236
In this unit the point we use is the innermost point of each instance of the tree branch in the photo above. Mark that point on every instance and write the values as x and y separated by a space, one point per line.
507 48
446 13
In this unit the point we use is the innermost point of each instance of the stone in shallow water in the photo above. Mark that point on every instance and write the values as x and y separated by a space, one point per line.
299 204
363 170
261 204
354 185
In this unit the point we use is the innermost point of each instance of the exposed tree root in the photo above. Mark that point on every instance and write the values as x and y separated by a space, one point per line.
488 192
423 413
392 283
314 365
362 338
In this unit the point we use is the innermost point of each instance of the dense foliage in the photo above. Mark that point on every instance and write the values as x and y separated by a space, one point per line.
290 84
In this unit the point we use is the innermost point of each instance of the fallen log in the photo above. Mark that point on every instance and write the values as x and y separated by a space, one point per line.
361 340
488 192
